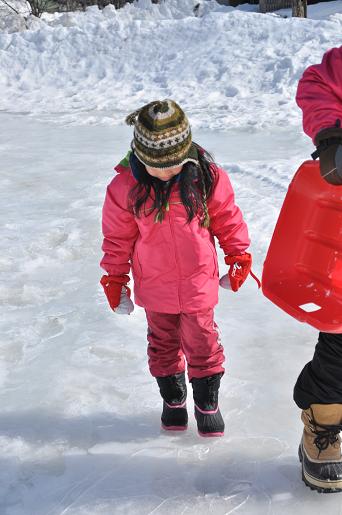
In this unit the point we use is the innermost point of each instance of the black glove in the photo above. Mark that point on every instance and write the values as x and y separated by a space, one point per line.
329 149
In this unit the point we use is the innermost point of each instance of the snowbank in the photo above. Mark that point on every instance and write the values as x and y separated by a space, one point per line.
228 68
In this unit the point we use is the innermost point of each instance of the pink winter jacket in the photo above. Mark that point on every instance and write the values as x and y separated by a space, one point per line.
174 264
319 94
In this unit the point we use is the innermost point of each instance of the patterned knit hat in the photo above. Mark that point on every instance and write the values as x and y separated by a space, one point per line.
162 135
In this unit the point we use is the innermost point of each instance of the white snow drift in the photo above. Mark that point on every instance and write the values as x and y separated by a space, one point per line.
226 67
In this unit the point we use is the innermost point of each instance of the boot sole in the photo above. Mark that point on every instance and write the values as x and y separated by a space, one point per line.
322 487
210 435
174 428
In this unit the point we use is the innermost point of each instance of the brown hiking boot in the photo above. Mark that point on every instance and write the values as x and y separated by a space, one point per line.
320 448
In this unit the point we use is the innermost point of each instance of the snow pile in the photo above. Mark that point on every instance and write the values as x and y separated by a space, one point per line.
169 9
139 10
227 68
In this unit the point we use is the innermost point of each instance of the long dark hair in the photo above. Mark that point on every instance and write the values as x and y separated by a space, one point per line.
195 184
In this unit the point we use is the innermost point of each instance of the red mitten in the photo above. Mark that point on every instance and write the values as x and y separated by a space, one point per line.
112 286
240 267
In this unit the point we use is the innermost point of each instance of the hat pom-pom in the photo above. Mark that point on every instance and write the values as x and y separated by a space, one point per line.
132 118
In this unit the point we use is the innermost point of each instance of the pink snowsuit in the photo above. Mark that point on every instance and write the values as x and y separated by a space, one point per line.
175 270
319 94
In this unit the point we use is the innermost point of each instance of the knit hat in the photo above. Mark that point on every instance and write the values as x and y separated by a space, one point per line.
162 135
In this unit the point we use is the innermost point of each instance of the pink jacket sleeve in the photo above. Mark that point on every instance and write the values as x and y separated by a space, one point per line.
226 221
119 228
319 94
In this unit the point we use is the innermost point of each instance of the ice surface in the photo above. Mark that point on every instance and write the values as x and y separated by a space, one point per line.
79 420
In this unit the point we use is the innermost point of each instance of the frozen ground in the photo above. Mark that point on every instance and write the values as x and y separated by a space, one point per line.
79 421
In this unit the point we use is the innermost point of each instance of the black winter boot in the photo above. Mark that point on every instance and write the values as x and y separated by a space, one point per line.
173 391
207 413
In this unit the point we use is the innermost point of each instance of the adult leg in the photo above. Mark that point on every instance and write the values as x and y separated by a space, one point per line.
318 392
320 381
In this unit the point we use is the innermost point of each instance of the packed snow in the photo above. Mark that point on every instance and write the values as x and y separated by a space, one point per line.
80 414
227 68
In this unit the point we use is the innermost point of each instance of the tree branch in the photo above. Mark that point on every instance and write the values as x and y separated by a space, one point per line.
10 6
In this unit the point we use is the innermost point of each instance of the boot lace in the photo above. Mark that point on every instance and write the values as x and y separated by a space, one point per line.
327 437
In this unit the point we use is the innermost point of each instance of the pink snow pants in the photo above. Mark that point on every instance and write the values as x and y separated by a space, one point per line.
174 338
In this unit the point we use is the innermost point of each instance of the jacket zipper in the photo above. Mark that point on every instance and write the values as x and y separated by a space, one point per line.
176 258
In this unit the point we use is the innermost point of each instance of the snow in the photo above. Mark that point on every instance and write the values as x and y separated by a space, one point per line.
238 69
320 11
79 420
14 16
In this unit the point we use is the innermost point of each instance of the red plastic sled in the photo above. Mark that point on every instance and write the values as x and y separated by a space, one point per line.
303 268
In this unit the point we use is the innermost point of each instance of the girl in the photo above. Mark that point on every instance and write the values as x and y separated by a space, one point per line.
161 213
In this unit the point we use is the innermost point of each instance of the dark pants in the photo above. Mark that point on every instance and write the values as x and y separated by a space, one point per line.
320 381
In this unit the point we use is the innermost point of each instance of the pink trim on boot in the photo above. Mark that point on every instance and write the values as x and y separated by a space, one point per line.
172 406
210 434
174 428
207 412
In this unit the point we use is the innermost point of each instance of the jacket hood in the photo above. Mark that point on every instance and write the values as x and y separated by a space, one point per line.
124 165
